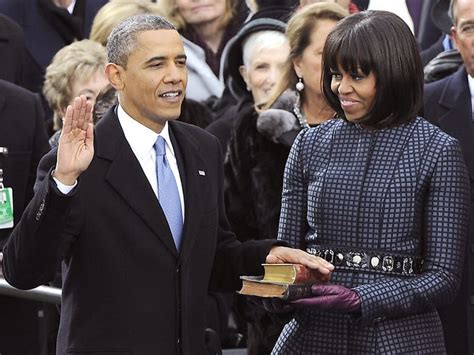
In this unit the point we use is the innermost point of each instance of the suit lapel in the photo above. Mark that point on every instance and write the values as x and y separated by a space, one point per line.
457 121
189 163
127 178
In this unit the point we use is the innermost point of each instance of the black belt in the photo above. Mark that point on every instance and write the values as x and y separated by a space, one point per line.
369 260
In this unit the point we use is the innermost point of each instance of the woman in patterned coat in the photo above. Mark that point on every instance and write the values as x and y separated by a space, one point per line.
380 193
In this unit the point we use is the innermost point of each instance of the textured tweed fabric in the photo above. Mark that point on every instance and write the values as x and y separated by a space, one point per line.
401 190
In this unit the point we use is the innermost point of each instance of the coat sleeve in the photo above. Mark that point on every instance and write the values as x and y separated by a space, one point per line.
445 221
34 251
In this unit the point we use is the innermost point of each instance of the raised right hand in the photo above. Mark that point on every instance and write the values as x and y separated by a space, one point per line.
76 143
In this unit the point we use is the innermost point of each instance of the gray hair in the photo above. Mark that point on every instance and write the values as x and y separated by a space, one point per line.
451 11
123 39
260 40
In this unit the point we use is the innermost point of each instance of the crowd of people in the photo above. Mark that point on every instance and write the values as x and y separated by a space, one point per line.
152 152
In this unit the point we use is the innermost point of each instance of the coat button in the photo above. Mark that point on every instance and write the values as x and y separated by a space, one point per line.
40 210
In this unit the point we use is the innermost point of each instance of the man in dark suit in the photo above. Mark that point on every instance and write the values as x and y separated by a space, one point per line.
22 144
448 104
136 268
12 47
48 26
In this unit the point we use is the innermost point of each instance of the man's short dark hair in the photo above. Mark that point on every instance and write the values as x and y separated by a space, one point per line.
123 39
381 43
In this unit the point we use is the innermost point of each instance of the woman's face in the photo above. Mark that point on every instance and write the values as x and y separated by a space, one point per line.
198 12
89 88
308 65
264 70
356 92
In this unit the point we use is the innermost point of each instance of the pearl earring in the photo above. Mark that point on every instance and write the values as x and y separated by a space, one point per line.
300 84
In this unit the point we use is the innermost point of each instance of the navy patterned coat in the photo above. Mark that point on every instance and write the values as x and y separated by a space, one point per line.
398 191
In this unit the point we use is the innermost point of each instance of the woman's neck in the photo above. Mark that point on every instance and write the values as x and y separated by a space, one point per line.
211 33
316 110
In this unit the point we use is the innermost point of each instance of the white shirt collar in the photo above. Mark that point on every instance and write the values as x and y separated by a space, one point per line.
141 138
70 8
470 81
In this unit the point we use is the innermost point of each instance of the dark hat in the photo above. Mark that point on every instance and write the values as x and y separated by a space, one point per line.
440 16
233 56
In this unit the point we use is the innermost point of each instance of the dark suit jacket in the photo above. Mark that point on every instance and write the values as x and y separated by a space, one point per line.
448 105
22 132
125 286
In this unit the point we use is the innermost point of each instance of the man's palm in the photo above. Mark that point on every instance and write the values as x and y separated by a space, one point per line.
76 143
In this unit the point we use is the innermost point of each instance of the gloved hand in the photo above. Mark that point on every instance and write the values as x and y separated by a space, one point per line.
332 298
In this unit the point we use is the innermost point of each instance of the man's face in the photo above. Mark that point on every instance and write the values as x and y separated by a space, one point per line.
152 87
463 32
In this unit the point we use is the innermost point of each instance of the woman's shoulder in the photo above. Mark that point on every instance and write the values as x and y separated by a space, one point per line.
426 131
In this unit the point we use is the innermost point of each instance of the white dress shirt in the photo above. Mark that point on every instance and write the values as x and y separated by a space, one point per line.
142 141
470 80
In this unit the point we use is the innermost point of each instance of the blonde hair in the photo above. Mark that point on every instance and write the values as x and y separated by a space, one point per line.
171 12
298 32
78 61
114 12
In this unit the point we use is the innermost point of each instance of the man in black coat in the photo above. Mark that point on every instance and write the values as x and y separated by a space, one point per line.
14 55
448 104
48 26
23 142
136 271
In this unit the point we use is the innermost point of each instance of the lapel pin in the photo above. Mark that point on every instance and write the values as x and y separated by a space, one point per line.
202 172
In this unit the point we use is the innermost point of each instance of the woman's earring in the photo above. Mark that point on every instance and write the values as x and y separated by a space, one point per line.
300 84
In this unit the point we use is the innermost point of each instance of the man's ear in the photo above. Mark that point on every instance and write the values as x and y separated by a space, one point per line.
454 36
115 74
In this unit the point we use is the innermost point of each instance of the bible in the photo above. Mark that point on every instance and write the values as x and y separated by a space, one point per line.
285 281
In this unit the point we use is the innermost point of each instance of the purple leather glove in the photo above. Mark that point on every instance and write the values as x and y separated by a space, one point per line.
332 298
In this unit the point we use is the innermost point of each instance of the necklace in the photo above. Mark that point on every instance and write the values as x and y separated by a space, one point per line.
300 115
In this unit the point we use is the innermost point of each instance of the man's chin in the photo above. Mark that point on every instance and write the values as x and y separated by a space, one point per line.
167 116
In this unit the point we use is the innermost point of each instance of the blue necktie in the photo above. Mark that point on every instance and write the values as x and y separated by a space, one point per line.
168 195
